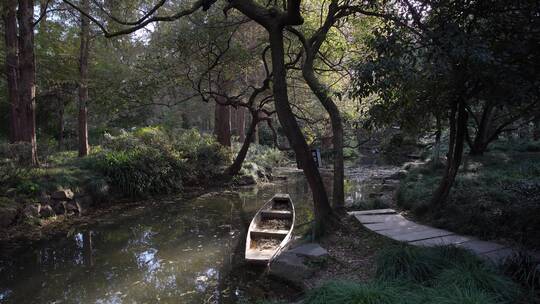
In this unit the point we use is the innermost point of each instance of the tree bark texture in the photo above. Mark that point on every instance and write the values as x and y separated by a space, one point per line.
27 77
12 66
222 123
290 126
241 156
338 196
84 50
458 129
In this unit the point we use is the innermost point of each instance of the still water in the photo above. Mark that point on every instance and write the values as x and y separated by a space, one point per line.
171 251
167 251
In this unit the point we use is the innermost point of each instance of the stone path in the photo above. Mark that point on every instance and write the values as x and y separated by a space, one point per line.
389 223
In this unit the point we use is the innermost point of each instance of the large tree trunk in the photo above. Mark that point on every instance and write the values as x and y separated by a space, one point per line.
84 148
241 156
61 125
536 129
482 137
338 196
437 145
293 132
222 126
27 77
241 124
12 66
458 129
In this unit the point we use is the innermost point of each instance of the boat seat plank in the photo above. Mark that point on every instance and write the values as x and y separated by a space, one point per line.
276 214
268 233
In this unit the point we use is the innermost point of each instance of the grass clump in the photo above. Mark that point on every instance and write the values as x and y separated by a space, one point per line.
341 292
419 275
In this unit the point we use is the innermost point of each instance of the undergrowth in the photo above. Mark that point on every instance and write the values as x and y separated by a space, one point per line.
496 196
416 275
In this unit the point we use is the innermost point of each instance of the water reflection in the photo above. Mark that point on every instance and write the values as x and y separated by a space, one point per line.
169 251
180 251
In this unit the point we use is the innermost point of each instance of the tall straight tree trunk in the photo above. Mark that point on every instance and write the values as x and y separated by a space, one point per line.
536 129
293 132
84 148
12 66
241 156
437 146
222 125
61 125
458 129
27 77
241 124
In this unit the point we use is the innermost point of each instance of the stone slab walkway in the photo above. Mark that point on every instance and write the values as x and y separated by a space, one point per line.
389 223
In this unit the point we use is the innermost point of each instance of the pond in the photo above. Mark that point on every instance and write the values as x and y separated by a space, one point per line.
170 251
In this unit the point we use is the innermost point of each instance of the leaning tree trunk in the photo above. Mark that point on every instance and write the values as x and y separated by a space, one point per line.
481 139
84 148
293 132
241 156
338 195
12 65
458 131
27 77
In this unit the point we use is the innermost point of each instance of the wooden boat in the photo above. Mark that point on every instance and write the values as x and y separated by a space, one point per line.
270 230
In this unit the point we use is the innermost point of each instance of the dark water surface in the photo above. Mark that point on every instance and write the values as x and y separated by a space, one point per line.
171 251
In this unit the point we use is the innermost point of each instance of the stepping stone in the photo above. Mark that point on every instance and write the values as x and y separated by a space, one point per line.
382 218
422 235
480 247
309 250
390 225
500 255
290 267
373 212
442 241
386 222
403 230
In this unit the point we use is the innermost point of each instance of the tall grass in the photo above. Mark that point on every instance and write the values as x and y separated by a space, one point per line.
415 275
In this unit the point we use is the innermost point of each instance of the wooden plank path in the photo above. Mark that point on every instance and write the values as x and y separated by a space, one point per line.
389 223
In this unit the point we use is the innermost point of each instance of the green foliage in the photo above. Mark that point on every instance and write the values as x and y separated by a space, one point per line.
342 292
264 156
494 196
452 294
420 265
525 270
151 161
417 275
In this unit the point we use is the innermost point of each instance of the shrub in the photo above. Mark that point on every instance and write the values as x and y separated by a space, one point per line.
152 161
140 172
13 167
265 156
494 196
